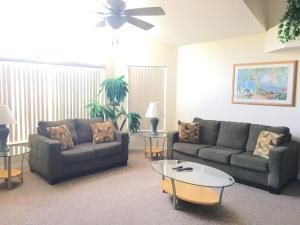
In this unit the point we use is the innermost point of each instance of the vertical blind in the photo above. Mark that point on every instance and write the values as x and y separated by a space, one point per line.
147 84
36 92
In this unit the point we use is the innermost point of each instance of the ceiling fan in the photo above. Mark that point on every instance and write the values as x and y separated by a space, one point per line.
118 15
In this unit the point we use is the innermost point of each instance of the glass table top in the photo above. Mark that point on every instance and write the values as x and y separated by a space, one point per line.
151 135
201 175
14 151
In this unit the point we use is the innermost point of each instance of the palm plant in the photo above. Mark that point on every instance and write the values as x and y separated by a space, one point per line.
116 90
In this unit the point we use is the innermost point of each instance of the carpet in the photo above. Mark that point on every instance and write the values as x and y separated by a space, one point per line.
132 195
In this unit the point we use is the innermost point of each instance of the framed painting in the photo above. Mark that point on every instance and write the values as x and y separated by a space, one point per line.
268 83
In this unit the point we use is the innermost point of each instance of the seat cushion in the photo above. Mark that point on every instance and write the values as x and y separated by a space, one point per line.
84 130
209 130
218 154
42 128
106 149
233 135
189 149
249 161
254 131
78 153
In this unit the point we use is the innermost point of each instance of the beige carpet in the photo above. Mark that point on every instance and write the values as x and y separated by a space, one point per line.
131 195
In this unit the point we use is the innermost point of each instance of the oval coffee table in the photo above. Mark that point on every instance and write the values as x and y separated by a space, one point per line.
201 185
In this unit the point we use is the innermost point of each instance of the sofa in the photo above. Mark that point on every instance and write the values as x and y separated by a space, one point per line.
229 146
48 160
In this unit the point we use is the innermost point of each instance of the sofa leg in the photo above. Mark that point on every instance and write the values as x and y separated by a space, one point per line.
53 181
124 163
275 191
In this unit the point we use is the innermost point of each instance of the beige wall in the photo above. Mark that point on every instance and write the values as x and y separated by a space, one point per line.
204 84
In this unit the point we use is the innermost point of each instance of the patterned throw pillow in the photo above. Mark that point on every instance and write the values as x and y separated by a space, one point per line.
188 132
265 142
63 135
102 132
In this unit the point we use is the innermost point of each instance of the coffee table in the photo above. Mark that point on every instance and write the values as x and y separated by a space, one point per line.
9 172
203 185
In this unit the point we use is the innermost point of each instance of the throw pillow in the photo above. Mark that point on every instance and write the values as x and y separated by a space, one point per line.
102 132
265 142
188 132
63 135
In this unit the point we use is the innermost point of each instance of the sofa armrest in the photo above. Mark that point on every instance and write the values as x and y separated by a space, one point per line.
171 139
123 137
45 156
282 165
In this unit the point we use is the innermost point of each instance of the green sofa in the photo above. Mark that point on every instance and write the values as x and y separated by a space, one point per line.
229 147
47 159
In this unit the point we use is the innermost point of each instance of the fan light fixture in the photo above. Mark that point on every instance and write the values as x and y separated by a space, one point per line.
118 15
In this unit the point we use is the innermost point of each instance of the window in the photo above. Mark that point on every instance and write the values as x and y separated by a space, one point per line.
37 92
147 84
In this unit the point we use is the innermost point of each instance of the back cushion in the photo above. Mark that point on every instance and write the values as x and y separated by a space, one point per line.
255 129
281 130
84 129
42 127
233 135
209 130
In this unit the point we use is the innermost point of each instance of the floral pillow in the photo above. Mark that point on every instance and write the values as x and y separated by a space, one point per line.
188 132
265 142
63 135
103 132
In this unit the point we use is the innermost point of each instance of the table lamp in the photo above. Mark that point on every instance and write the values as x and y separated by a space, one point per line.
153 114
6 117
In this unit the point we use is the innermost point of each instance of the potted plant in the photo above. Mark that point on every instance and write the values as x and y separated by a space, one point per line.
116 90
289 26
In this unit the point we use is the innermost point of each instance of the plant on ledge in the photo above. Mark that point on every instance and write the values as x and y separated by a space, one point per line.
289 26
116 90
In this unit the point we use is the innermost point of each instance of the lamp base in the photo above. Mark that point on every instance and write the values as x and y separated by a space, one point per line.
4 131
154 122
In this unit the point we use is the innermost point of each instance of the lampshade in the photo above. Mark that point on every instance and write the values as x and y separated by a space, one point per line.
153 110
6 116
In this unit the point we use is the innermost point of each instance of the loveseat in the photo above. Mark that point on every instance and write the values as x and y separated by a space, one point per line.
48 160
229 146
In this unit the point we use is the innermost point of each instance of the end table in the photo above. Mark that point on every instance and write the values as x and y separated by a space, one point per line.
150 150
7 173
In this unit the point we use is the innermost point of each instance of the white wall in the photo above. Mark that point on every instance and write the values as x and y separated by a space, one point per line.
204 84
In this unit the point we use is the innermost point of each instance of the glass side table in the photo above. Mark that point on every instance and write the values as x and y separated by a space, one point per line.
9 172
150 150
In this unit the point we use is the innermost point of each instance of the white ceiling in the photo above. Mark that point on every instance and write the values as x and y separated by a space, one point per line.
193 21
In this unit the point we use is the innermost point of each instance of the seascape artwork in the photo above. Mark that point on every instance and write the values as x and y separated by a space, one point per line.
265 83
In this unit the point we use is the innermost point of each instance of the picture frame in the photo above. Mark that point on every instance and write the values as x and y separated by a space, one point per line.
265 83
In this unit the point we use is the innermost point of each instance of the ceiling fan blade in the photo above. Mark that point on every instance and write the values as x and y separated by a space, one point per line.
139 23
148 11
117 5
101 24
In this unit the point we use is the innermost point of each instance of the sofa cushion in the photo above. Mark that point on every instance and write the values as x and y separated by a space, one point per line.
42 128
218 154
188 132
84 130
265 142
63 135
281 130
79 153
189 149
233 135
209 130
106 149
249 161
254 131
